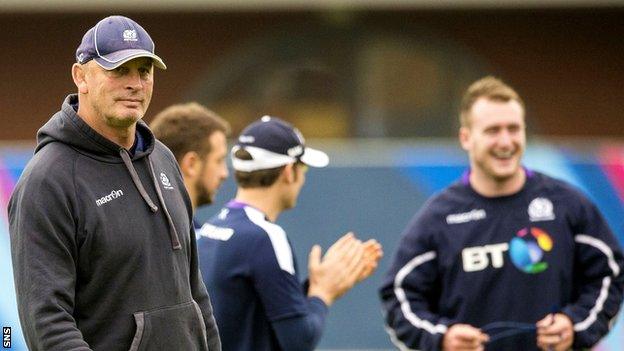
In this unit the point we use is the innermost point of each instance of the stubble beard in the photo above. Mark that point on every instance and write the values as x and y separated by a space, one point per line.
203 197
116 122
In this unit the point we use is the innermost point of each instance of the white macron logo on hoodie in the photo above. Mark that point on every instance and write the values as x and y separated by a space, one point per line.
108 198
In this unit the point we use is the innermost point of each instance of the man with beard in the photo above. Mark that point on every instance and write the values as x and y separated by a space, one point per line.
197 138
505 258
102 241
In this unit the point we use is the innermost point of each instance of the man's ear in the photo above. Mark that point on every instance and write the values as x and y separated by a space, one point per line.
79 73
190 165
288 174
464 138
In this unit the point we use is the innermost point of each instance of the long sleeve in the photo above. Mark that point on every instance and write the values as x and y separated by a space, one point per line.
200 295
44 253
302 333
296 320
599 278
410 289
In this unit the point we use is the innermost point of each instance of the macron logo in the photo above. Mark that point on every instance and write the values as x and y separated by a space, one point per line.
216 233
465 217
108 198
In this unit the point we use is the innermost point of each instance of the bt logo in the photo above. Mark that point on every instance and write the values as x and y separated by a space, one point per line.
476 258
526 251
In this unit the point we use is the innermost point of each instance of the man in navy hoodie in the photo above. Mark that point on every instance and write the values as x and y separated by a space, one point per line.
505 258
102 242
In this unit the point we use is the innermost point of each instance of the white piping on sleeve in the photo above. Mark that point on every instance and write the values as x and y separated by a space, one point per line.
405 305
593 313
604 248
395 340
606 281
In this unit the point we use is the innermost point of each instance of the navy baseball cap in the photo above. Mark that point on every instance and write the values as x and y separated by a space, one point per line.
273 143
114 41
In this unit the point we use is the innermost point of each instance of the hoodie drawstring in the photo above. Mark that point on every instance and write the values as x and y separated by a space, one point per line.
175 242
135 178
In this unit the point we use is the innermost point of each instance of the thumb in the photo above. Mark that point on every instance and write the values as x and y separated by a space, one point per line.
314 259
545 322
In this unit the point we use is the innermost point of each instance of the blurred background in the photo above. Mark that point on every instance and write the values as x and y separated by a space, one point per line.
375 83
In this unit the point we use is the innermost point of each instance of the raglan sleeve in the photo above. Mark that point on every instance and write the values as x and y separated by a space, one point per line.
297 320
200 295
599 282
410 288
43 230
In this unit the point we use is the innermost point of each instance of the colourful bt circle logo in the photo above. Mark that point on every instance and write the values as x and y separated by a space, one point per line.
527 249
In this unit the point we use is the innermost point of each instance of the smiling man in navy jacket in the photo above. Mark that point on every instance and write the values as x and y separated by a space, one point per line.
505 258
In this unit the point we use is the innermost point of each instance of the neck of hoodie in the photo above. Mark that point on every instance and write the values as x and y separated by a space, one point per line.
129 138
122 136
138 146
68 128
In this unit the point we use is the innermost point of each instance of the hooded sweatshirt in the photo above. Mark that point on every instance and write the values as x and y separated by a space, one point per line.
103 247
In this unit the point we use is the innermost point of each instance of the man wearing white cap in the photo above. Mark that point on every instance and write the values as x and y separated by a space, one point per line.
246 258
102 241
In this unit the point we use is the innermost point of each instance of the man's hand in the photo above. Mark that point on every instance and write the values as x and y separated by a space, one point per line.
464 337
555 333
339 269
372 254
